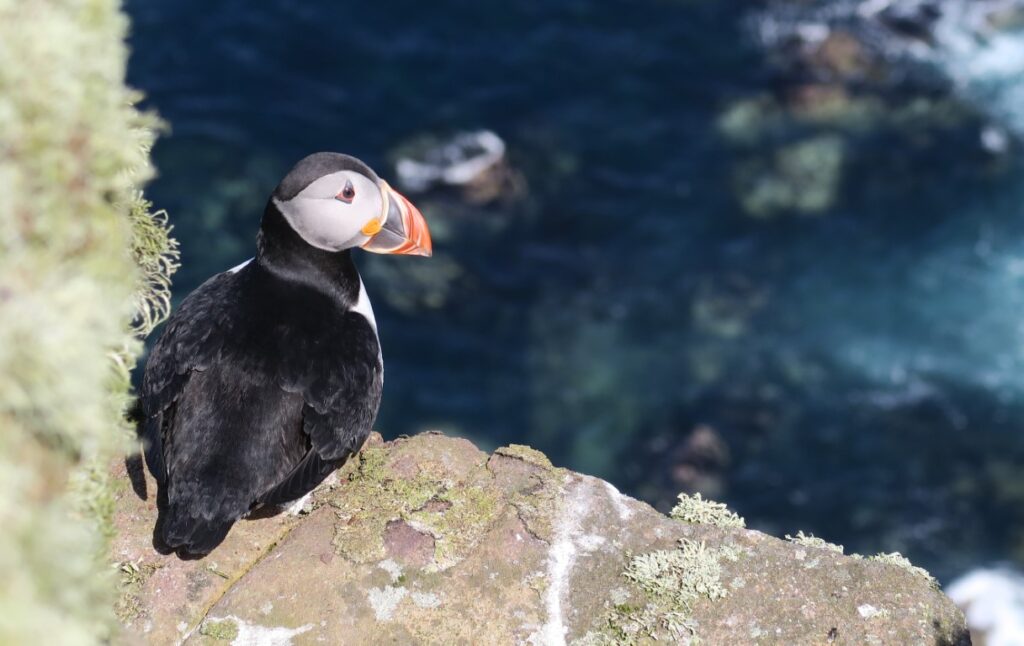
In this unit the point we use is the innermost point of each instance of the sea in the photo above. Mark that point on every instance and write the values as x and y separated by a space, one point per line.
690 274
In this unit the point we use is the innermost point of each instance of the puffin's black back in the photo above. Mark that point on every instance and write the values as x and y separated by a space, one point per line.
262 383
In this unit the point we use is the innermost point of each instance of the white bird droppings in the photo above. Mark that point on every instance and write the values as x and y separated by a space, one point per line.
618 501
590 542
561 558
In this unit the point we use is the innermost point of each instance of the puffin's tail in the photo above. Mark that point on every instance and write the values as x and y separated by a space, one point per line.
198 536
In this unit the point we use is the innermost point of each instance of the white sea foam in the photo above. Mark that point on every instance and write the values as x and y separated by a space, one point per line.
993 602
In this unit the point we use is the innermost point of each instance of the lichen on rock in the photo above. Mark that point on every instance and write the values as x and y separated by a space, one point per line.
526 454
695 509
129 606
535 485
611 571
900 561
809 540
449 502
673 580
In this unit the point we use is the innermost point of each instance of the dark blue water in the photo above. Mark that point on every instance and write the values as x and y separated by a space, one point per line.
859 372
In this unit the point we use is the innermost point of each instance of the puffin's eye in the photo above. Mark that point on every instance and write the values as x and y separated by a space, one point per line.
347 194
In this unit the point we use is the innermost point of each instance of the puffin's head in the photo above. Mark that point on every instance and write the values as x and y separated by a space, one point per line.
336 202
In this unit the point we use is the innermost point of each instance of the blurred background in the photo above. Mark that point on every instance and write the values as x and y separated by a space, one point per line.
769 251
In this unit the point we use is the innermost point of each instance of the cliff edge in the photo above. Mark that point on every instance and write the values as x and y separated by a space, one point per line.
428 540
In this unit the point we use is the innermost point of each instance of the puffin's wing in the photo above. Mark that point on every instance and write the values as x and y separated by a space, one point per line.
307 474
342 387
191 341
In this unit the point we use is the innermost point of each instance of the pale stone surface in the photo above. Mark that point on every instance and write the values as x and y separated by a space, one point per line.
428 540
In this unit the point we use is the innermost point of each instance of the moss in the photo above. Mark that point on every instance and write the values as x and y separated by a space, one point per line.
809 540
222 629
538 504
526 454
694 509
456 512
79 256
900 561
129 605
458 528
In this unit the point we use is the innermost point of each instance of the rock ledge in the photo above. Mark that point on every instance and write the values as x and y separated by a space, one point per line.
428 540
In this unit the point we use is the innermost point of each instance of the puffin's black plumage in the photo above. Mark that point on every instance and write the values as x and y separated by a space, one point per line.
264 381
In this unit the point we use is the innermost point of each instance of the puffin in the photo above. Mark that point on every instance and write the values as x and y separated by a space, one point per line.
268 377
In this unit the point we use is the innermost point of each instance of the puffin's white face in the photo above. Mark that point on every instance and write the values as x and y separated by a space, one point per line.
337 211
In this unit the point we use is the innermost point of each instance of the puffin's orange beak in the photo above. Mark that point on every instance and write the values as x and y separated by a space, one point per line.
403 231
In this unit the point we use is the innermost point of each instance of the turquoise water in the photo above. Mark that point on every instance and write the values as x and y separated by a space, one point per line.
860 368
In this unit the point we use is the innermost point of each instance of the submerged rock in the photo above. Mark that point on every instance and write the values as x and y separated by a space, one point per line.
470 194
970 49
473 161
929 78
429 540
802 177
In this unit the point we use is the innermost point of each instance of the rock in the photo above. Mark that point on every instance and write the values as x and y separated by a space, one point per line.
802 177
922 76
474 161
700 461
429 540
841 55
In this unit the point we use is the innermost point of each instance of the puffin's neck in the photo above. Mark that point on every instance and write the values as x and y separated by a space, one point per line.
283 253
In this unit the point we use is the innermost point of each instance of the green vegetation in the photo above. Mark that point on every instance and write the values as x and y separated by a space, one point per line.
84 269
526 454
223 630
455 514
